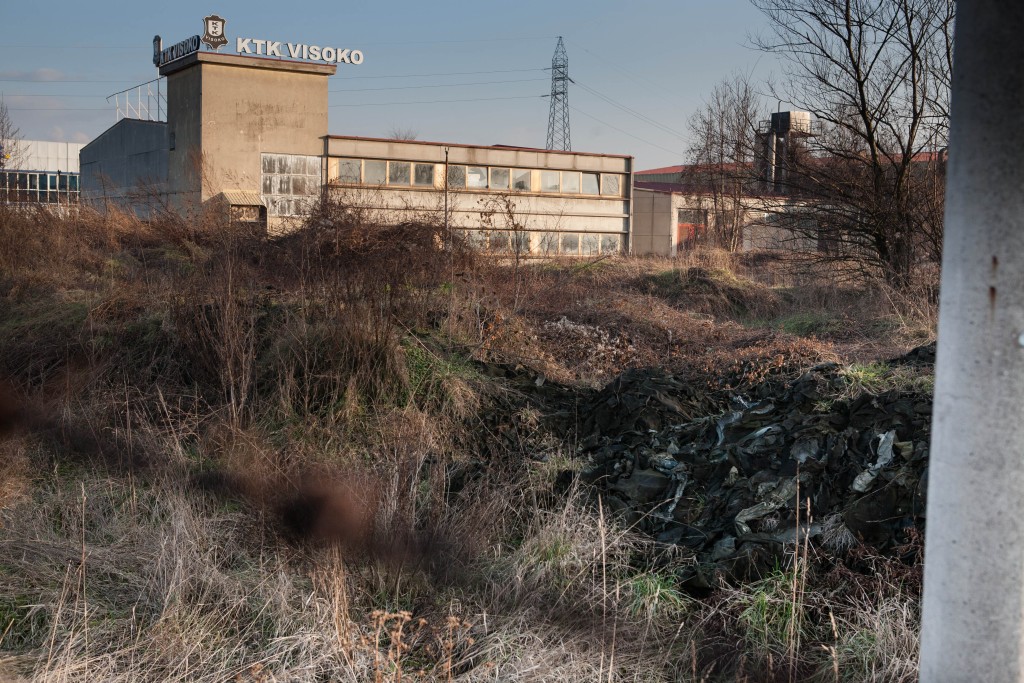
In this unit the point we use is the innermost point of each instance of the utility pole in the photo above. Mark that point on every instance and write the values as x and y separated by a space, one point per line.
558 115
973 609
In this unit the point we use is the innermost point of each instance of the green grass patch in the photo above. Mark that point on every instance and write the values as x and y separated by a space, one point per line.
810 324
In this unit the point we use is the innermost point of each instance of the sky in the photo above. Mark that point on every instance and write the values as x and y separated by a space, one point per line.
448 71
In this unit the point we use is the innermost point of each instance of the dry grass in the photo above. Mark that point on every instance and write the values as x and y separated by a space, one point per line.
226 459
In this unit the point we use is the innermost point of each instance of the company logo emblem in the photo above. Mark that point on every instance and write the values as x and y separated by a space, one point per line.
214 35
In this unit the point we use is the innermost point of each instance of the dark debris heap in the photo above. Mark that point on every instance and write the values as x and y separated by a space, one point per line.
727 487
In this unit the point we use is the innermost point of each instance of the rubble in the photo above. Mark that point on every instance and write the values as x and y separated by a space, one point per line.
801 460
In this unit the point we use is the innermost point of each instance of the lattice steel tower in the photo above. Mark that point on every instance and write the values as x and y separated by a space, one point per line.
558 118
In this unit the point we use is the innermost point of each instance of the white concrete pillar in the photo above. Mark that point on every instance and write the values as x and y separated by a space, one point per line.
973 620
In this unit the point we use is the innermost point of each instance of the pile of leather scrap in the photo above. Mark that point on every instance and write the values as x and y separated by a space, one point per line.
728 487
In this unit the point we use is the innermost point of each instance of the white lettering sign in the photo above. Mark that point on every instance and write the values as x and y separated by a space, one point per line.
176 51
315 53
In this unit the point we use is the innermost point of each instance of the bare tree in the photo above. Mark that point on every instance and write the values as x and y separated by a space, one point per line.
875 74
724 133
403 133
10 140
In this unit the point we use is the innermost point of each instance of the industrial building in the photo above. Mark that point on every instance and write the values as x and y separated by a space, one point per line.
40 172
249 135
675 206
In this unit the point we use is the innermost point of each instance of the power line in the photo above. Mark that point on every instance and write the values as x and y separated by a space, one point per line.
375 42
58 80
347 78
632 75
633 112
450 73
58 109
14 94
441 85
635 137
475 99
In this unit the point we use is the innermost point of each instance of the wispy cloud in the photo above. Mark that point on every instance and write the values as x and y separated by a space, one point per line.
42 75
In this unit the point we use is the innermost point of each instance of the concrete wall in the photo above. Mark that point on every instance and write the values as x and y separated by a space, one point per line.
653 223
128 157
225 111
184 126
766 222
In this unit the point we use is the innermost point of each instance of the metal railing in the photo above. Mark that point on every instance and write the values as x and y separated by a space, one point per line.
146 101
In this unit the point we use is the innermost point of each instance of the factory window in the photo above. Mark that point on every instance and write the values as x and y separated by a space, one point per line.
423 174
499 242
590 185
476 177
610 184
609 244
374 172
398 173
521 180
477 238
456 176
499 179
589 245
521 242
548 243
549 181
289 180
570 244
570 182
347 170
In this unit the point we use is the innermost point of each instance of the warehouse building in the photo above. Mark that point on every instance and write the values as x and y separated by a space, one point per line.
248 134
40 172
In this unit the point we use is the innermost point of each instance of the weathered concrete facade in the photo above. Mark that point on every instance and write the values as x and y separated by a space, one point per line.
225 111
532 201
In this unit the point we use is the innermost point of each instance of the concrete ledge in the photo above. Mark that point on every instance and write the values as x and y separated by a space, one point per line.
248 62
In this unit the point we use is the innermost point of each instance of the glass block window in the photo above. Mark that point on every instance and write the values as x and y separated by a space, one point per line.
398 173
590 184
611 184
290 182
456 176
522 180
549 181
589 245
610 244
499 179
500 242
476 177
423 175
570 244
346 170
374 172
570 182
548 243
520 242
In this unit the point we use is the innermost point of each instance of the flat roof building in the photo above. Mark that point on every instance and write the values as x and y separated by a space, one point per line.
251 133
40 172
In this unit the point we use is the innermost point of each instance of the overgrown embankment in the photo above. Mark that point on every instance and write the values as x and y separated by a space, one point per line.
350 454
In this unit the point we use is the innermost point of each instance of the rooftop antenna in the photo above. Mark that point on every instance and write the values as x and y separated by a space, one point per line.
558 118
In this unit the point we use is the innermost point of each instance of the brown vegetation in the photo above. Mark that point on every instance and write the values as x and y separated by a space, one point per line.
338 455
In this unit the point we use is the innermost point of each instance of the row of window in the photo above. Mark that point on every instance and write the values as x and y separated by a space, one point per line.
545 243
377 172
38 187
